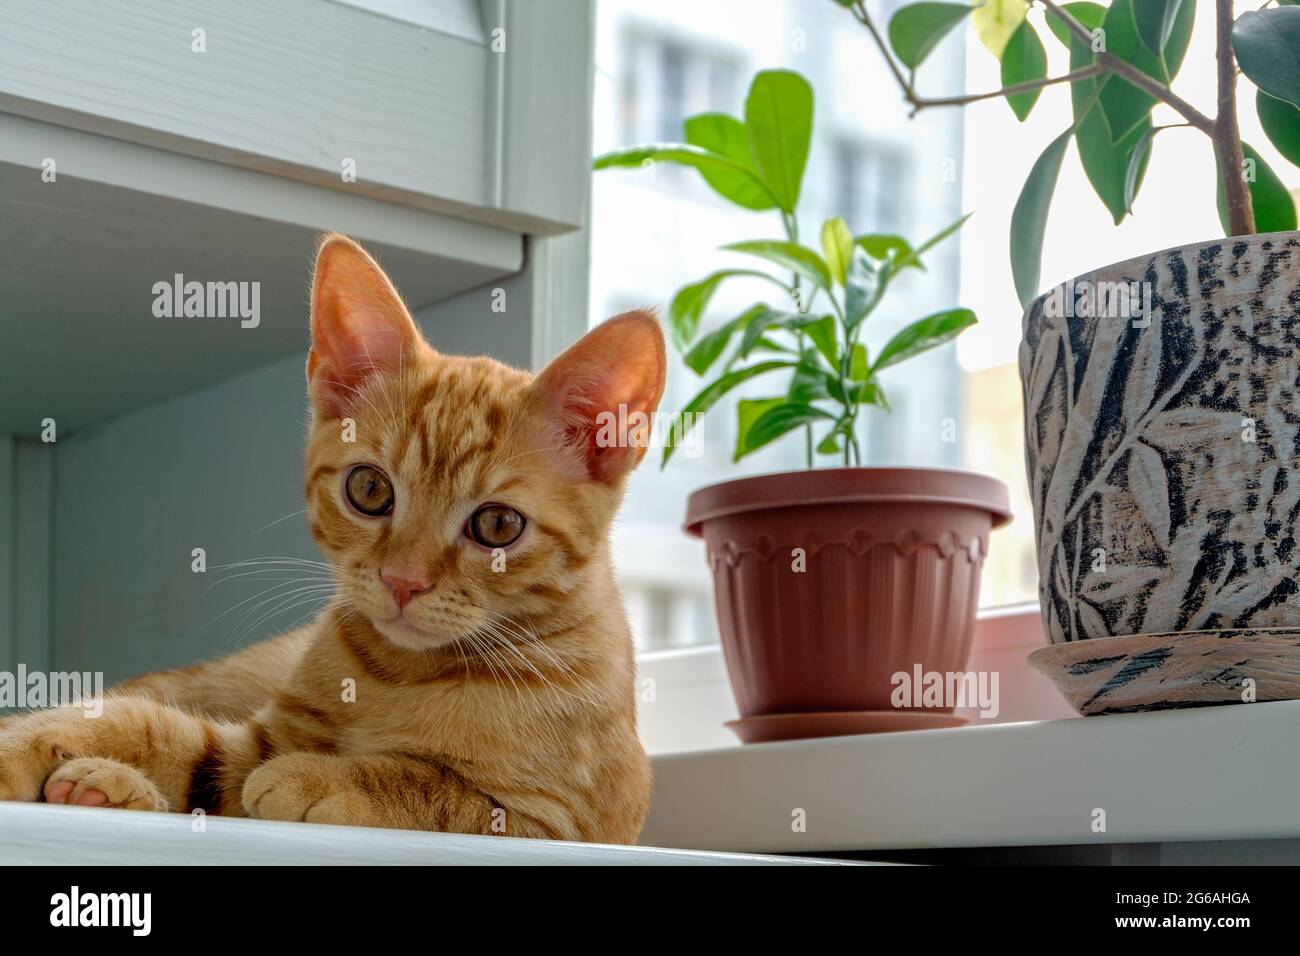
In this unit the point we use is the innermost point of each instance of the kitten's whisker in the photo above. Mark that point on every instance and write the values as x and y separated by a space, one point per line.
490 648
263 593
317 599
478 652
531 638
271 559
283 596
264 574
278 520
492 630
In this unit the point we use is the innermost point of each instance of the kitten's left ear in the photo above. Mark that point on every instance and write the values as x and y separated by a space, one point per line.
604 391
359 326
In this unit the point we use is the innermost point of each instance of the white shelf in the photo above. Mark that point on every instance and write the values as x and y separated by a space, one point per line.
1216 773
39 834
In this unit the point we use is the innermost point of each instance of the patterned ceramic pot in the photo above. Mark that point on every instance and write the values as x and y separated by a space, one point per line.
1162 441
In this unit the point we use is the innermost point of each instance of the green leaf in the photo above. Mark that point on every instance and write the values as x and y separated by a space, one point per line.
689 303
1137 164
707 349
996 21
914 257
810 382
779 123
859 367
1023 61
862 290
868 393
837 243
1281 122
1267 44
693 157
1105 162
1274 207
887 247
685 420
1124 104
1029 218
822 335
843 428
916 29
1154 20
748 411
922 335
767 319
1088 14
726 136
766 344
789 255
777 421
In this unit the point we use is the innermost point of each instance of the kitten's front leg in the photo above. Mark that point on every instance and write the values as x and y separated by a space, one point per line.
401 791
310 787
193 762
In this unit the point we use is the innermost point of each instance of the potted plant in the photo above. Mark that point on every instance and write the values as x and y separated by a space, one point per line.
1160 393
828 582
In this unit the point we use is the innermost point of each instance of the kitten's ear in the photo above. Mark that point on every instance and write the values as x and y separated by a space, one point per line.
604 391
359 325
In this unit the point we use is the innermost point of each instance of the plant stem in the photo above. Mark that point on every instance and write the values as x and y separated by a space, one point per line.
1227 133
1105 63
1113 64
791 225
921 102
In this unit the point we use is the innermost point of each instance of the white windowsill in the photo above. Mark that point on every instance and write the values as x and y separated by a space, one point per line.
1208 774
40 834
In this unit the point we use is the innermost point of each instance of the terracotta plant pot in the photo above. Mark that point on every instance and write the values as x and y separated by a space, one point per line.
829 582
1161 447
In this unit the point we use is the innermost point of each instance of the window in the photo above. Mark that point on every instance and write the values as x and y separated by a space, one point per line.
653 234
663 80
871 184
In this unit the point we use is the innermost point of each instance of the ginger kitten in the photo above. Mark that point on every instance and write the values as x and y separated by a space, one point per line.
474 673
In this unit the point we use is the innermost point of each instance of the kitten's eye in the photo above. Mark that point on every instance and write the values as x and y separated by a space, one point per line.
495 526
370 491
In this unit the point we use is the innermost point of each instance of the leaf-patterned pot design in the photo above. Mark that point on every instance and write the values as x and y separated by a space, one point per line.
1163 444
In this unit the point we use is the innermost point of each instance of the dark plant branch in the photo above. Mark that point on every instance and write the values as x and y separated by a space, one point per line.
921 102
918 102
860 11
1106 62
1227 133
1113 64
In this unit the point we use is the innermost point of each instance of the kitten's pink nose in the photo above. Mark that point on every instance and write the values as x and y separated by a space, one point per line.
404 589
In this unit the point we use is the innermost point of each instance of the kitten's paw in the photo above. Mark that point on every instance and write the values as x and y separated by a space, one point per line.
306 788
95 782
24 764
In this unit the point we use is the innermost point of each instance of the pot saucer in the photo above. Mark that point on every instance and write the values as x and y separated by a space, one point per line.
757 730
1120 675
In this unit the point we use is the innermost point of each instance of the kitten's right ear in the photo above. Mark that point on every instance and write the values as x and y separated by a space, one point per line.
359 326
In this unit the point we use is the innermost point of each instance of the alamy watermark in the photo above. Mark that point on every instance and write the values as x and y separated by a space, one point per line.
1084 299
38 690
637 429
947 690
179 299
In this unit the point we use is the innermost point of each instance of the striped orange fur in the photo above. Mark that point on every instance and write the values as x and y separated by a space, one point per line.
449 685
